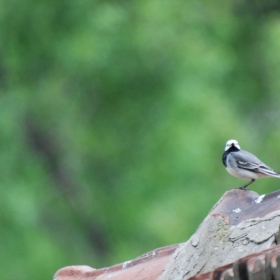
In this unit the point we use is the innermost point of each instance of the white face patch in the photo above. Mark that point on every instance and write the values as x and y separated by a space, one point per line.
231 143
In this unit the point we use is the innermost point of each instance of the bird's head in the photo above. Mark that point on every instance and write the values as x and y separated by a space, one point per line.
232 143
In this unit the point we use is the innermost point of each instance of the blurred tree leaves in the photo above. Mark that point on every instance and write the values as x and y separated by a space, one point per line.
114 118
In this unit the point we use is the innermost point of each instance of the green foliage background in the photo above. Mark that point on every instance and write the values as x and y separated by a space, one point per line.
114 117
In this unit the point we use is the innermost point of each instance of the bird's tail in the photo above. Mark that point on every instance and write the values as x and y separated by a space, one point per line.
277 175
269 172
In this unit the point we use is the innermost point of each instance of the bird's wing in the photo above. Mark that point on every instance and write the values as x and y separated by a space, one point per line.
248 161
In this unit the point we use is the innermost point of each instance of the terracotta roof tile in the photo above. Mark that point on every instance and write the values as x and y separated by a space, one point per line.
146 267
263 266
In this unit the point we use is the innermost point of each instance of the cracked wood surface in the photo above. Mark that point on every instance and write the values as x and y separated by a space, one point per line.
241 223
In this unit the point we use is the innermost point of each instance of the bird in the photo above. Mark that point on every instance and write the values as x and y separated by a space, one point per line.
245 165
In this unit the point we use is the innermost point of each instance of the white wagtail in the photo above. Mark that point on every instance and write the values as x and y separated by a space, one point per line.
245 165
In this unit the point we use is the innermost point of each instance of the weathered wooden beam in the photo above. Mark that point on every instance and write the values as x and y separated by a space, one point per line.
241 223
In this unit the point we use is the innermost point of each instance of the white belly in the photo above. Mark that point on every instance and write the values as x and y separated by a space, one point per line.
242 173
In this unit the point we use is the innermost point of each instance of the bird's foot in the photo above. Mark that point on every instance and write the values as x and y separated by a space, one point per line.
246 185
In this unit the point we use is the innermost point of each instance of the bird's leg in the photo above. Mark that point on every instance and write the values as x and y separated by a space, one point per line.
246 185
